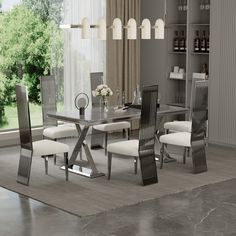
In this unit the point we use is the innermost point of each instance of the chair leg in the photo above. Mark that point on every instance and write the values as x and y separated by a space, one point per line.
46 164
124 132
184 156
55 159
106 136
109 165
128 134
135 165
162 155
55 156
66 164
188 151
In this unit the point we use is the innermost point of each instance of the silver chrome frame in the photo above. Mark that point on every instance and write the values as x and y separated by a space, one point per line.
48 96
147 135
199 117
26 152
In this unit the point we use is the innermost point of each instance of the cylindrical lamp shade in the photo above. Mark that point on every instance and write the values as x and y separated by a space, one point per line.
117 29
65 26
102 29
146 29
132 29
85 32
159 29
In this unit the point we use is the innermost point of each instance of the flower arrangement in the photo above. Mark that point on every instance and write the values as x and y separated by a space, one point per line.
102 90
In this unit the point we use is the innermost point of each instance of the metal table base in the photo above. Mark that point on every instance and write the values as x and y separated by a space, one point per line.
86 168
83 171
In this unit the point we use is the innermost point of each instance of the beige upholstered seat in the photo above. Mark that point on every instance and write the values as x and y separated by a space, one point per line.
113 126
179 139
60 131
178 126
125 148
48 147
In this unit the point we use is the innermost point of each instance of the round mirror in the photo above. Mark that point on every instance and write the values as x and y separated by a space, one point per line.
81 101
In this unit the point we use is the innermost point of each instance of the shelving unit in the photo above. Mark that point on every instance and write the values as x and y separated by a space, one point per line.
175 21
190 21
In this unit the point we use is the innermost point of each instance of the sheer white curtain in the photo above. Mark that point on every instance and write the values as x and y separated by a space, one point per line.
82 56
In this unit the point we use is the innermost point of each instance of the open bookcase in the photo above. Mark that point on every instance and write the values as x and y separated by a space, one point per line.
194 15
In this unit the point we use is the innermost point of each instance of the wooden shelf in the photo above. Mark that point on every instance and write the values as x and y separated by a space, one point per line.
200 53
173 52
176 25
199 24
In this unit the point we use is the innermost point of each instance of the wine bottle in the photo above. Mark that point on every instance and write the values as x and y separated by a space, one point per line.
208 42
202 5
207 5
197 42
176 42
185 5
203 41
180 6
182 42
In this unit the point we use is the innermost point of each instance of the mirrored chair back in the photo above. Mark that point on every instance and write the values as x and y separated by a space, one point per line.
194 80
148 118
199 110
96 79
147 135
48 95
24 118
199 117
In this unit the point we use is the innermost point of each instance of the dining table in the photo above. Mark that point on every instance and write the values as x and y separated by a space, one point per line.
94 116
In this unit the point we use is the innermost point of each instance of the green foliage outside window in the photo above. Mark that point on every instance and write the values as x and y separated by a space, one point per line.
2 111
30 46
24 51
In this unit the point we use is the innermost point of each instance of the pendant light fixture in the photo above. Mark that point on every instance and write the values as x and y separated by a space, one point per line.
117 29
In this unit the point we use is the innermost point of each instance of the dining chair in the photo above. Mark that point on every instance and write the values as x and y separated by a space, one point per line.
196 138
144 146
97 79
52 130
185 125
43 148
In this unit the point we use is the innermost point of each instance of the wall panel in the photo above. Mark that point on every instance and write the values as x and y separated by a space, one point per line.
222 100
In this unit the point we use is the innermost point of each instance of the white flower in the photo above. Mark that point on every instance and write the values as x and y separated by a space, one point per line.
104 92
110 92
100 87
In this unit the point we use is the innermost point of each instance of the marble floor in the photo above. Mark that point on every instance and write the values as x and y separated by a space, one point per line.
209 210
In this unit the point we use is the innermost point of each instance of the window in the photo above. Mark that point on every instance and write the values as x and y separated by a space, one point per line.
33 45
82 56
